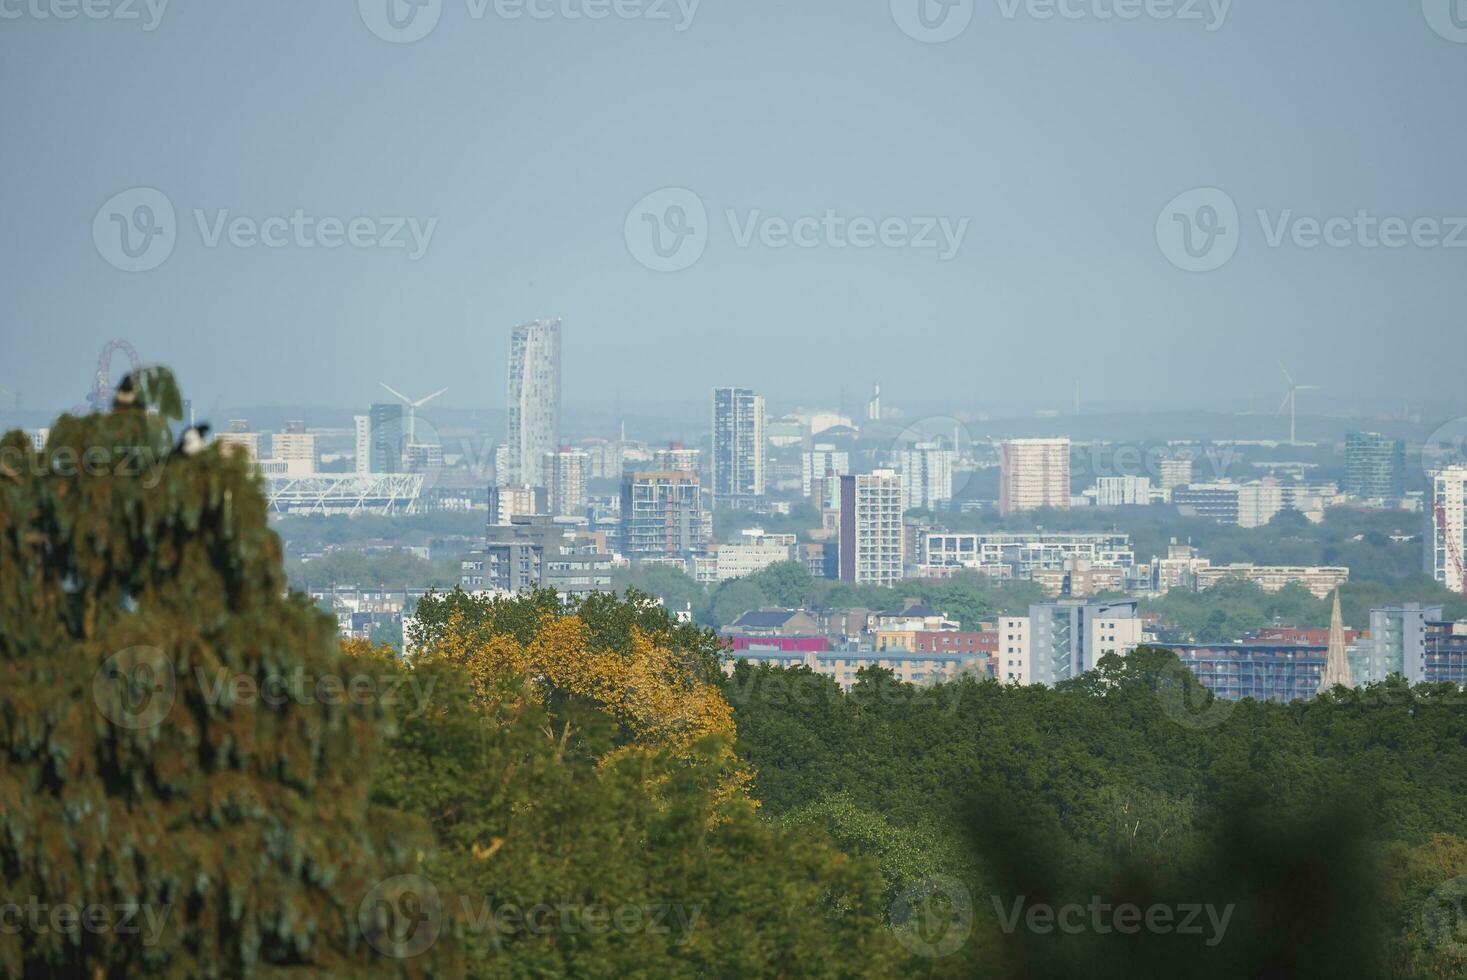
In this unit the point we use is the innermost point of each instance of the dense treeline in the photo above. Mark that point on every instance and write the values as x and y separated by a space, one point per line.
1337 829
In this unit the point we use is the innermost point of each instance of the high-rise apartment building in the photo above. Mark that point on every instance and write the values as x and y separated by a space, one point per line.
662 514
1448 555
532 551
1122 491
1375 466
1034 473
389 438
297 450
1396 643
567 471
1174 472
362 429
822 462
927 475
237 436
677 457
507 503
1061 640
738 447
534 401
871 528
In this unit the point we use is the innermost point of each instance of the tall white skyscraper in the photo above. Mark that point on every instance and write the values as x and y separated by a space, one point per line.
1034 473
363 425
738 447
534 401
1449 527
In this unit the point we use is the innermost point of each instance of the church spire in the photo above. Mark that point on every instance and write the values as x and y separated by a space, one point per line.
1336 664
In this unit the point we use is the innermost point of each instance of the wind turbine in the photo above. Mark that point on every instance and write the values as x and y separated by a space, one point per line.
1291 401
412 407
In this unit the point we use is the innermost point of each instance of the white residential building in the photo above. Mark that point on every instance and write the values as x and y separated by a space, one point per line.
1175 472
567 472
871 528
1033 473
1025 552
1122 491
1448 556
927 475
297 450
821 462
754 551
362 429
533 403
1059 641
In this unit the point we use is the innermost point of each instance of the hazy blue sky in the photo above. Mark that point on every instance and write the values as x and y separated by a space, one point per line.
1059 141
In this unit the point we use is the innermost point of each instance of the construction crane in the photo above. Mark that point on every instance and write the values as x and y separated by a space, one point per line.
1453 545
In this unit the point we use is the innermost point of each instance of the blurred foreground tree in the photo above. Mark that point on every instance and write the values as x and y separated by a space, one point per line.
183 784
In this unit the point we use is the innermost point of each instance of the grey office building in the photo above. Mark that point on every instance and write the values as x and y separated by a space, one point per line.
1375 466
388 438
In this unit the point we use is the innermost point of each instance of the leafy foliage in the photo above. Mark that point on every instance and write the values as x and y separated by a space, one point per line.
143 602
1329 826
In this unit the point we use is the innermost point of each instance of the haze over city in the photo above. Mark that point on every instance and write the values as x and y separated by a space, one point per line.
682 488
527 142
